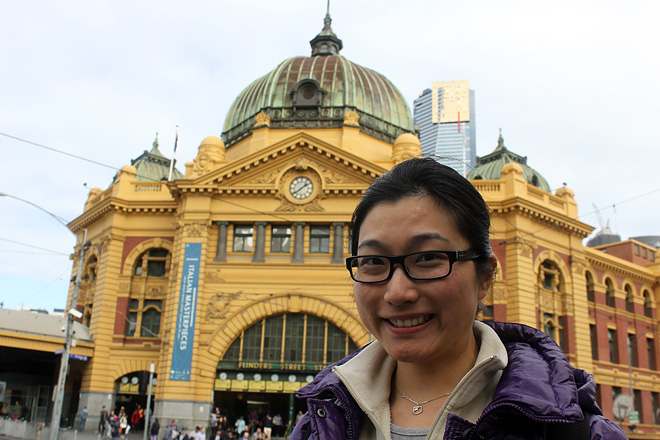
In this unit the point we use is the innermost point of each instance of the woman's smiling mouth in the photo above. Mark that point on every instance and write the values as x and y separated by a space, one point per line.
412 322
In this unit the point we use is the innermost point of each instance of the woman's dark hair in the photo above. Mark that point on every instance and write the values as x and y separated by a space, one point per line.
450 190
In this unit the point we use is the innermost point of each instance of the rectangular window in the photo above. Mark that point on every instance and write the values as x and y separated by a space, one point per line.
131 323
336 344
280 239
644 255
273 339
243 238
650 347
252 343
562 334
611 337
593 332
638 405
315 340
319 239
636 249
655 401
150 326
295 328
631 349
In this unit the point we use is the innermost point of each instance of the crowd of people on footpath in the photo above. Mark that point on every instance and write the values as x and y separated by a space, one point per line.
251 428
116 426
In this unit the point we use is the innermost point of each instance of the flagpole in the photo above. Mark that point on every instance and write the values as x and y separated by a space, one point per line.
176 141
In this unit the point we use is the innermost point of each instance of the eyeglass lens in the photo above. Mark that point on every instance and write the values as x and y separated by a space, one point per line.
420 265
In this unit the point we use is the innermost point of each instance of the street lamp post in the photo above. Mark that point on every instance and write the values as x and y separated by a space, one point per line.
69 315
152 369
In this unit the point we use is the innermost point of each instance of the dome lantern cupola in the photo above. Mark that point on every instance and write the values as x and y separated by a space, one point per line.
326 42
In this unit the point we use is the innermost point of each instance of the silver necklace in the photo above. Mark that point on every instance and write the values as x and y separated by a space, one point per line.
418 409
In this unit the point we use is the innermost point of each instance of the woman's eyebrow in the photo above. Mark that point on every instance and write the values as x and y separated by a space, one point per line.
416 240
422 238
376 244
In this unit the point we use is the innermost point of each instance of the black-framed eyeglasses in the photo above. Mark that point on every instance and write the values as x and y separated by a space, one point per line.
425 265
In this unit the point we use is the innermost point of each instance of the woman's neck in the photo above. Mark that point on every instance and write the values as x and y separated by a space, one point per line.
426 381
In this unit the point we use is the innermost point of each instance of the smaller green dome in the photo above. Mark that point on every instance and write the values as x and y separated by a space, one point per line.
489 167
153 166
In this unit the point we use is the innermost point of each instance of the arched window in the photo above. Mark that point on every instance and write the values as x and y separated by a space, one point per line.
550 276
145 303
153 263
590 286
648 305
609 292
630 300
291 339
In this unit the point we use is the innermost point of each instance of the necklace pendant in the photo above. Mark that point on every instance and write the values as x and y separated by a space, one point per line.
417 409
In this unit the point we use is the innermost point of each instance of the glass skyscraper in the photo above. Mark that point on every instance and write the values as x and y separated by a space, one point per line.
447 128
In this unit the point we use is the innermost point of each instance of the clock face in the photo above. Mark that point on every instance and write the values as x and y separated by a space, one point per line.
301 188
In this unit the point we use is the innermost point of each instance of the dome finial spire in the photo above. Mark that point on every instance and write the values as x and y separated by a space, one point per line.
500 142
326 42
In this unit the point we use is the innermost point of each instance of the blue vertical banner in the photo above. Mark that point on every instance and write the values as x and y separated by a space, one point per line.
182 350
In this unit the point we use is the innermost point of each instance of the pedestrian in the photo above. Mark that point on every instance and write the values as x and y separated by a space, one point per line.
268 427
153 432
240 426
83 419
257 435
102 419
215 415
278 424
422 261
115 428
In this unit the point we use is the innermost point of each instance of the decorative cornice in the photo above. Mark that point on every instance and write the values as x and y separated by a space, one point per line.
538 215
616 268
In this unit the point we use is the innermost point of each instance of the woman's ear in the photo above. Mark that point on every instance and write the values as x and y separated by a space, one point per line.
487 276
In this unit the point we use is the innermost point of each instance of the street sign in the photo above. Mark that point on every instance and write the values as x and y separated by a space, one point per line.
633 418
77 357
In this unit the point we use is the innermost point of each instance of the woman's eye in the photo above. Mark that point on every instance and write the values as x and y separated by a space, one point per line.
372 261
429 258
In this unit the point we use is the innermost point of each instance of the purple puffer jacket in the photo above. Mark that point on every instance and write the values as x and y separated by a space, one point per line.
537 387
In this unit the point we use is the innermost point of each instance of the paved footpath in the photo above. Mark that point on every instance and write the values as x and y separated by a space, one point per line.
89 435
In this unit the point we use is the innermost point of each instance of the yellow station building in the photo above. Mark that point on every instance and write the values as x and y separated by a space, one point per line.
230 277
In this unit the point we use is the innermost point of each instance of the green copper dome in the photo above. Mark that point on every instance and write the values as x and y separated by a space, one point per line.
490 167
316 92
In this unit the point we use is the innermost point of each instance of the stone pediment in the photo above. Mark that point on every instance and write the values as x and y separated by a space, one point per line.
268 171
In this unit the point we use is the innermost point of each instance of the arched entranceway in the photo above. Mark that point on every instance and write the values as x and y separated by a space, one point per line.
269 361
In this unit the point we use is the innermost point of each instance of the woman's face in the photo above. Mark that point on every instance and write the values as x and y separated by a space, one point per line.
418 321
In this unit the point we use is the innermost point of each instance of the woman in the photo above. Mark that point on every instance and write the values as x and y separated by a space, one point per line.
421 263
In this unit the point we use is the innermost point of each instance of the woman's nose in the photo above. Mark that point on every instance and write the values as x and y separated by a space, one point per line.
400 289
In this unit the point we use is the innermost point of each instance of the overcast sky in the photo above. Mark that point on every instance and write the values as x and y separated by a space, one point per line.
572 84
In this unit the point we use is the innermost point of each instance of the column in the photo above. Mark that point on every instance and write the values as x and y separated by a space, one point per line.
260 243
338 245
299 243
221 249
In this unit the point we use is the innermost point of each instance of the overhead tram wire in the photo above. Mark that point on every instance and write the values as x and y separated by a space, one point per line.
146 178
58 151
215 197
32 246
